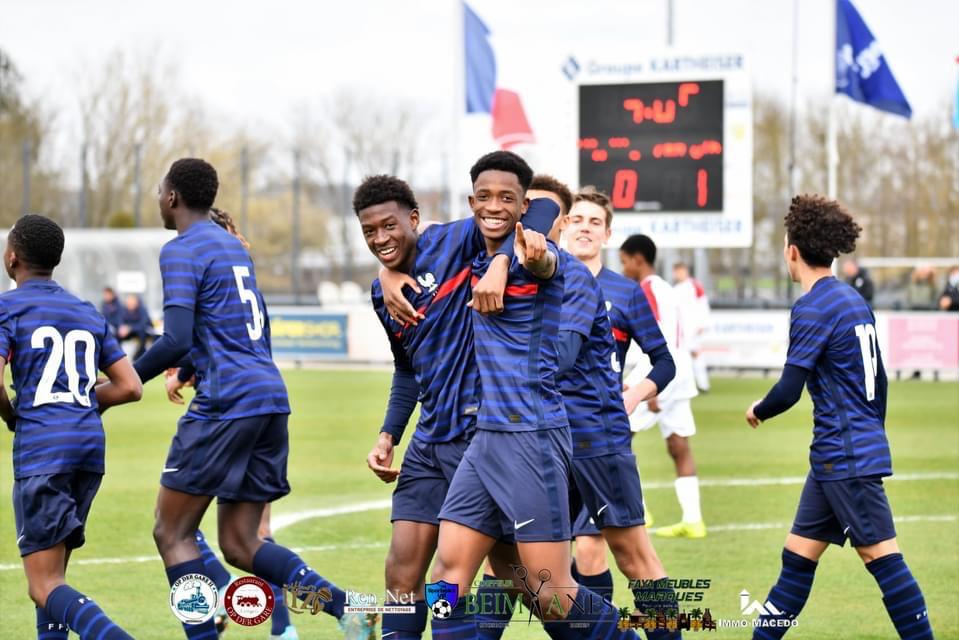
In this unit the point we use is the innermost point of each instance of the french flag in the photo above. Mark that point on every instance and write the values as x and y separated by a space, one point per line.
510 126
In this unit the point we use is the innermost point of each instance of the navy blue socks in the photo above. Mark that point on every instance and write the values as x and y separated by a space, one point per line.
902 596
77 611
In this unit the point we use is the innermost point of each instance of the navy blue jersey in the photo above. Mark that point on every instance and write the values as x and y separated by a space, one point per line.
207 270
516 351
592 390
55 343
832 334
630 315
439 349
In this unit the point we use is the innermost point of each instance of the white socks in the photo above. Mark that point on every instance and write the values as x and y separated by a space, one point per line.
687 491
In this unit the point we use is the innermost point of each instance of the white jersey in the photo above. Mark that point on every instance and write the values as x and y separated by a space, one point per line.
693 309
665 303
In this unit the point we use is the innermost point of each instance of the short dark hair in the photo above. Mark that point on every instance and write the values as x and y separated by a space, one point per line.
196 182
503 161
642 245
821 229
38 241
589 193
543 182
376 190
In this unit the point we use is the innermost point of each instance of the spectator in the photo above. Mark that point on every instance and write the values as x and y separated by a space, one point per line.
949 301
110 308
858 278
135 324
922 290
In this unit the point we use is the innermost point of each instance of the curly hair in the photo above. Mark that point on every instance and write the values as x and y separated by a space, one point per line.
503 161
589 193
196 182
376 190
37 241
225 220
821 229
543 182
642 245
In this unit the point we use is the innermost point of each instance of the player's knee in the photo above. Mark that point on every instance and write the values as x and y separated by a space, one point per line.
39 590
237 551
556 603
403 575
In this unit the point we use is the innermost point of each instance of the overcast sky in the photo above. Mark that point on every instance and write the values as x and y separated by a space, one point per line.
254 61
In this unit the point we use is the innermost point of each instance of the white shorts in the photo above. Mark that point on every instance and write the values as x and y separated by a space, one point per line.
675 417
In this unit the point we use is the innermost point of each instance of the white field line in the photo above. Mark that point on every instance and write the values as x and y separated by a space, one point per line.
281 521
720 528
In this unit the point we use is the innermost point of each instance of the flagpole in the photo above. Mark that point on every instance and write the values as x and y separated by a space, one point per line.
459 106
832 146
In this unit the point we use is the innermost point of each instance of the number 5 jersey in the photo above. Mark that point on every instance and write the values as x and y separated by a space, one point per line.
208 271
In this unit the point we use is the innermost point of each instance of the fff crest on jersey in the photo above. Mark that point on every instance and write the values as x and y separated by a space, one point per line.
427 281
442 590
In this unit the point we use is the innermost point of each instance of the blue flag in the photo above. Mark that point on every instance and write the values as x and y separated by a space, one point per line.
862 71
480 64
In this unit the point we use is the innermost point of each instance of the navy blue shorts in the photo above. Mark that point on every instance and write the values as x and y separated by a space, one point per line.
425 477
53 508
513 485
854 508
606 492
242 460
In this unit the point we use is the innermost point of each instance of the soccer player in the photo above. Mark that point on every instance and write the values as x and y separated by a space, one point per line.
176 379
238 418
671 408
694 310
834 352
434 362
55 343
602 457
513 478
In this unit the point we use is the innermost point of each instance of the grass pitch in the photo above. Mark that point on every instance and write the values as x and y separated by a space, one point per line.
750 491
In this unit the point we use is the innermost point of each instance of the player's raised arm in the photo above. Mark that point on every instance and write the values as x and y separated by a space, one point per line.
533 253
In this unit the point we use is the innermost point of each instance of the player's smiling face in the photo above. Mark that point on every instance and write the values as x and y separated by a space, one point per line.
585 230
390 232
498 202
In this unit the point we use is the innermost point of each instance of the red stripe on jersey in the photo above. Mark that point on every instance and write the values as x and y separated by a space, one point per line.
619 335
444 290
516 290
650 297
450 285
519 290
698 287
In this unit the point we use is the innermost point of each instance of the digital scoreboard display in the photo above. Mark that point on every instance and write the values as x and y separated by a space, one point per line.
654 146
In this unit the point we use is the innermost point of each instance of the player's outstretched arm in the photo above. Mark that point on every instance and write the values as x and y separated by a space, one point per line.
784 394
533 253
7 412
124 385
173 345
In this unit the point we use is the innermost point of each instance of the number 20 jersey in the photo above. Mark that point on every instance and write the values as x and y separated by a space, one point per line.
54 344
207 270
832 334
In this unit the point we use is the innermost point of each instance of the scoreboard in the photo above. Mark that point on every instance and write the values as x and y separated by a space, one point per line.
655 146
669 138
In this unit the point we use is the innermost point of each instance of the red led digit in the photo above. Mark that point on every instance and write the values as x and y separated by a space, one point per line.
701 188
624 189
